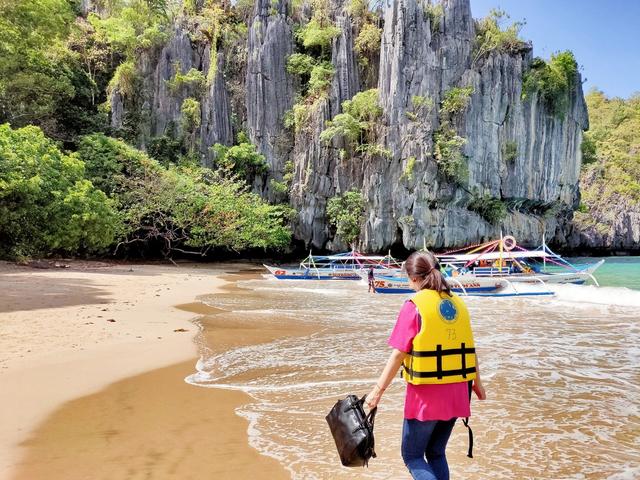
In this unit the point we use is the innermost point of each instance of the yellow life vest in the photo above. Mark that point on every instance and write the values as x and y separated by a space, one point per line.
443 350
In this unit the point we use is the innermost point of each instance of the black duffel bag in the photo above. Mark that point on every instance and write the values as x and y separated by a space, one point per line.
352 431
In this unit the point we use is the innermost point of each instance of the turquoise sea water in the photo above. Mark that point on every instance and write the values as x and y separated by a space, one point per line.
616 271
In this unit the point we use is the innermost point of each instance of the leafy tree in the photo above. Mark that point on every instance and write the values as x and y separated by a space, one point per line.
166 149
181 208
125 80
320 79
133 25
318 33
46 206
110 163
448 154
346 214
344 125
357 122
193 79
191 119
367 44
300 64
491 37
34 74
552 81
492 209
456 100
242 159
194 210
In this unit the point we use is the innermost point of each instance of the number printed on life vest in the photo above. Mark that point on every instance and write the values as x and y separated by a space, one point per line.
451 332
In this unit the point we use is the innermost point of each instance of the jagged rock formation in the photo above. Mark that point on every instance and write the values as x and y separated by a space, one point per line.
319 172
408 199
157 106
269 88
419 60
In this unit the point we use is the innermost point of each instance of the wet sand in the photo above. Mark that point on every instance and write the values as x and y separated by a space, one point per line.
62 415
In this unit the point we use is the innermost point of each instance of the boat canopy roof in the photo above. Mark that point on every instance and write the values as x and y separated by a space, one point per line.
350 257
493 256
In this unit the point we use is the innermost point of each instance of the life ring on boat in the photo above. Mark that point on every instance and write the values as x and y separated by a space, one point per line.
509 243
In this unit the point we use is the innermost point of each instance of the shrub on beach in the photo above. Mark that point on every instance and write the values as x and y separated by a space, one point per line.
46 205
181 208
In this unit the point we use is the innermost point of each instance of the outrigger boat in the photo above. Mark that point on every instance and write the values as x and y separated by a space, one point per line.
495 268
341 266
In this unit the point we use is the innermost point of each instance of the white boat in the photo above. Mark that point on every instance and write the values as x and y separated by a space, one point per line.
504 259
497 268
340 266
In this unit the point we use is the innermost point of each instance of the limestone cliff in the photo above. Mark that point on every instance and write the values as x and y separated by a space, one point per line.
269 88
420 61
157 107
515 149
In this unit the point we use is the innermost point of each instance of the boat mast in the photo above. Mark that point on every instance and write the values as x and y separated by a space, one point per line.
500 261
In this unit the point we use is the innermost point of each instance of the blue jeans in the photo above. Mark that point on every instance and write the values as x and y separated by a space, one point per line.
426 439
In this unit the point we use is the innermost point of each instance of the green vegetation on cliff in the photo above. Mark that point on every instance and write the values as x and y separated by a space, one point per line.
346 214
552 81
447 144
242 159
356 124
492 37
611 173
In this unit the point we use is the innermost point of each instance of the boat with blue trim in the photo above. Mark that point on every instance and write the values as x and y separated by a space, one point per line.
340 266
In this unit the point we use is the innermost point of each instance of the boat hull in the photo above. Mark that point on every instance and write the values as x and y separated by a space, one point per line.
462 284
320 273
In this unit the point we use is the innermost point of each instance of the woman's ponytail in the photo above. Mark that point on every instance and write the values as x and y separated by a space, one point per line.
424 267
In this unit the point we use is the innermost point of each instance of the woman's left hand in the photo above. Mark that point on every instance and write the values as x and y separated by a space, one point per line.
479 390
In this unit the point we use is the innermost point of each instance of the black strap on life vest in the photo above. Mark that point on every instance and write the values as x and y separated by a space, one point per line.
466 424
440 352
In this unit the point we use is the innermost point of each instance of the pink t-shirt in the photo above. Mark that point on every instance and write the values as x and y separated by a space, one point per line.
427 402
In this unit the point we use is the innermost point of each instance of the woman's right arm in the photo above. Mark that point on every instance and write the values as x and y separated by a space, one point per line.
401 339
386 377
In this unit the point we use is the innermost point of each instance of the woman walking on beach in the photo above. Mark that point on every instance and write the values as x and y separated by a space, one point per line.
433 342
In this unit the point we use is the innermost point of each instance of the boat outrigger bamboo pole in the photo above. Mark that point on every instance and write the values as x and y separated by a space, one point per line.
501 247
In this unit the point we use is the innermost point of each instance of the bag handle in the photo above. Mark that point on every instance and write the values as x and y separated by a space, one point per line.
371 417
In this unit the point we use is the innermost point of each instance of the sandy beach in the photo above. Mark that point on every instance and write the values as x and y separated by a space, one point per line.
92 366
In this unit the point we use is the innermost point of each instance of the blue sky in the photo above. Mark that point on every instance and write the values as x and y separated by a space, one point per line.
603 35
